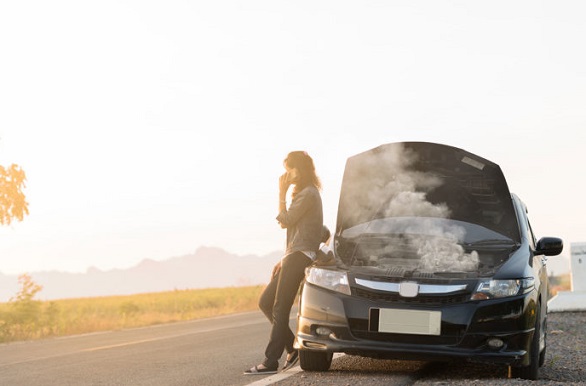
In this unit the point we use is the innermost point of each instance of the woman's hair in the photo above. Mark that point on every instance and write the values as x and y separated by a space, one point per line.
304 164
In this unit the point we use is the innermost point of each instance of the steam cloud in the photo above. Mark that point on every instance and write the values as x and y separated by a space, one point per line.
384 184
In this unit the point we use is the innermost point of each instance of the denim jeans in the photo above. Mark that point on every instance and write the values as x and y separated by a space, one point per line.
276 302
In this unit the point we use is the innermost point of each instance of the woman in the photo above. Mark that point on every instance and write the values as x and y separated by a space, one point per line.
304 222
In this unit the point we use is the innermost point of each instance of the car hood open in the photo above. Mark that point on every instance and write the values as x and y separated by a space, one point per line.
425 180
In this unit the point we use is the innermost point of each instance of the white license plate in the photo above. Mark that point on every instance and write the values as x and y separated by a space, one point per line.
405 321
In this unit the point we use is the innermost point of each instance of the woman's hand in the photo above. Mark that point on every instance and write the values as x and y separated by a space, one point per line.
284 183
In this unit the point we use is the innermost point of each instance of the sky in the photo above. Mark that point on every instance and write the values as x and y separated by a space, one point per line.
150 128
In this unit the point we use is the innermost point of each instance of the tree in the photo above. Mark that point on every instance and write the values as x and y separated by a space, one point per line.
24 319
28 289
27 309
13 203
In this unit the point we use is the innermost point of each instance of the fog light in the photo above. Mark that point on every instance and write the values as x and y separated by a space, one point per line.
323 331
495 343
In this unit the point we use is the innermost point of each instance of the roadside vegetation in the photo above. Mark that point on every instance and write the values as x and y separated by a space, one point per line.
559 283
24 318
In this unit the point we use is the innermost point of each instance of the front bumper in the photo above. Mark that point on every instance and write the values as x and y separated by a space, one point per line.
465 329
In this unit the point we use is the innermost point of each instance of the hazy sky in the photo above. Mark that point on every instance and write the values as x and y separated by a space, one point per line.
150 128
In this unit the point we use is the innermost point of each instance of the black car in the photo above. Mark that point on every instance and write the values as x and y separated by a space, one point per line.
434 260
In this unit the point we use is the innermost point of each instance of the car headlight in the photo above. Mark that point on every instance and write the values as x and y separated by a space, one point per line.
329 279
495 289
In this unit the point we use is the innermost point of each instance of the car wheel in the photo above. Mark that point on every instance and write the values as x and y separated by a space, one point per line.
315 360
531 371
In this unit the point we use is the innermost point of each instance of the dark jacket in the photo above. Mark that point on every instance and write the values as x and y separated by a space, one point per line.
303 220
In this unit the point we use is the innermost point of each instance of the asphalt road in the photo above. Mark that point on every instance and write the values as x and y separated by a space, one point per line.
207 352
216 351
204 352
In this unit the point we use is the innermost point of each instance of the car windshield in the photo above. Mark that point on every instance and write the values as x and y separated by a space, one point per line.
423 244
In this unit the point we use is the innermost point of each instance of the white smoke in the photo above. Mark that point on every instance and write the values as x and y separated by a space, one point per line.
385 185
405 204
445 255
384 182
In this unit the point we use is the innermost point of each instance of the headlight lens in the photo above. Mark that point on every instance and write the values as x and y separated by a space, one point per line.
329 279
495 289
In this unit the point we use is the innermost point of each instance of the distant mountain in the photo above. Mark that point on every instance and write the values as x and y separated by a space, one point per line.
207 267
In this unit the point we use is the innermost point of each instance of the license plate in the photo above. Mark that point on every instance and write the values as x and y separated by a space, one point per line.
405 321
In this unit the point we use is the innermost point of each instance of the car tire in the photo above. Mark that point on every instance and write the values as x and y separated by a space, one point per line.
315 360
542 353
531 372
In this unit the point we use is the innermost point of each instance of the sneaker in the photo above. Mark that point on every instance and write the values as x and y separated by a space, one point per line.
259 370
292 359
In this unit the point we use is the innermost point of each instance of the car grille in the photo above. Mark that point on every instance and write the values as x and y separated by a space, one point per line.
420 299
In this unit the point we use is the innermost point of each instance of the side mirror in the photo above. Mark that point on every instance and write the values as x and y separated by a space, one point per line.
549 246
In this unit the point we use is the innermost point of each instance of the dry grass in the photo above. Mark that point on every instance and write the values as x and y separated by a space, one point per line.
559 283
76 316
41 319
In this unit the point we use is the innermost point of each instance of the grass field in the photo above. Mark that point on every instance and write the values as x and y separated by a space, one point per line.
559 283
32 319
25 318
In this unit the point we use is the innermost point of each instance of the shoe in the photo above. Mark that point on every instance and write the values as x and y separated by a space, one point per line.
292 359
259 370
